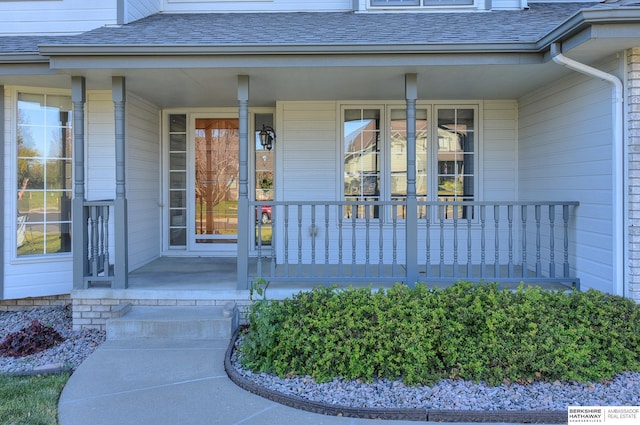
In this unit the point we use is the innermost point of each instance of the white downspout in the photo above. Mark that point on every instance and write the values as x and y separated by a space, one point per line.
618 160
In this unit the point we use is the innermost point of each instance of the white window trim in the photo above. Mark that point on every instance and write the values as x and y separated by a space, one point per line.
11 168
432 107
476 5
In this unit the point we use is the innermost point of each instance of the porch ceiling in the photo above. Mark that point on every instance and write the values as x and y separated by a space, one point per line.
198 87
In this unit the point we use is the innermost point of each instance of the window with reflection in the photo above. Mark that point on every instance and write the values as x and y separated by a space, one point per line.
44 174
375 159
362 144
398 156
456 156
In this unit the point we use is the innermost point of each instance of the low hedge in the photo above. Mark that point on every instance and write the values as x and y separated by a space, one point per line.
469 331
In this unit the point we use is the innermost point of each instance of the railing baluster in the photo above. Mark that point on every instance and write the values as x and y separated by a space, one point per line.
469 216
354 215
286 239
552 249
381 244
274 232
443 211
299 239
523 217
538 261
483 241
455 241
427 271
510 220
496 220
313 232
565 219
106 239
394 260
255 209
94 241
367 244
326 241
341 212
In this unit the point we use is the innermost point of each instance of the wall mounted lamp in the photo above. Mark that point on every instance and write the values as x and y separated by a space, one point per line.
267 137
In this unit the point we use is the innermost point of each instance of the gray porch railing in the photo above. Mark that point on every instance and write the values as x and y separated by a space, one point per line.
341 242
99 269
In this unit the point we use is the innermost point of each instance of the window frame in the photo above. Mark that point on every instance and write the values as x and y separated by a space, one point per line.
13 135
432 172
423 4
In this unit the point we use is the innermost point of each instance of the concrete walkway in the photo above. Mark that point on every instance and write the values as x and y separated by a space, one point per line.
154 381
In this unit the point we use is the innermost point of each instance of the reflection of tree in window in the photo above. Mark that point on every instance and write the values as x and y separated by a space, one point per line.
216 170
456 155
43 177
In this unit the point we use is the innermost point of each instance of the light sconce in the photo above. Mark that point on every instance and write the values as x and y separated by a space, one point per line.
267 137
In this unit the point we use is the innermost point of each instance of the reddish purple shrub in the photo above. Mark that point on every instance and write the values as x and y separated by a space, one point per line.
30 340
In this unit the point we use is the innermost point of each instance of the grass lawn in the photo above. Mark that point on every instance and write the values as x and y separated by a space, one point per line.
30 399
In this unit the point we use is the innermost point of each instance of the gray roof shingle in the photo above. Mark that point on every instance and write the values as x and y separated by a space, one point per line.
335 28
317 28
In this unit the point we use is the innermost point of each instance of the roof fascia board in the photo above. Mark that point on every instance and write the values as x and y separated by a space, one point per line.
346 49
23 58
586 18
26 69
279 61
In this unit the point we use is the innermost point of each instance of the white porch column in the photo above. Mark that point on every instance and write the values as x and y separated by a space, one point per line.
78 216
121 272
243 194
411 228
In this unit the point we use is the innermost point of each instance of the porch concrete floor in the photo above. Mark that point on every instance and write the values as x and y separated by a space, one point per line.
218 276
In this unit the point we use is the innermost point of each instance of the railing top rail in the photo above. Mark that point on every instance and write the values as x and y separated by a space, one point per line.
98 203
421 203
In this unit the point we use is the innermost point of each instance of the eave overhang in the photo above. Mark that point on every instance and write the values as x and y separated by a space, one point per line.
586 24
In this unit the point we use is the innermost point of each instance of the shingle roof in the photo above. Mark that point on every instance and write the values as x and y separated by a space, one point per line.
335 28
317 28
21 44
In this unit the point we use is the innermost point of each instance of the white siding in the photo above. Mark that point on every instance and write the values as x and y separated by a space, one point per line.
308 136
255 5
565 153
55 17
499 151
100 161
25 277
143 180
137 9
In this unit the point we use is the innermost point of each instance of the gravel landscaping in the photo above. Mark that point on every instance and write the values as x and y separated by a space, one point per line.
77 346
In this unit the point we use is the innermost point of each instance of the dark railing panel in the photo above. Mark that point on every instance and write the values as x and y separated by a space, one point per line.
336 242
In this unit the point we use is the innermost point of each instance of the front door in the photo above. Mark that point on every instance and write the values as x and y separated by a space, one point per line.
215 184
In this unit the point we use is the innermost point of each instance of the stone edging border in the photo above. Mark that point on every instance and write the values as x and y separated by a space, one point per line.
515 416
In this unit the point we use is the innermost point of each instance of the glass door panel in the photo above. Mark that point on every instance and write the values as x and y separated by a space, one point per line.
216 181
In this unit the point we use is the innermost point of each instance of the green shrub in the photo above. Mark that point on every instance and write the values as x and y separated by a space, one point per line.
470 331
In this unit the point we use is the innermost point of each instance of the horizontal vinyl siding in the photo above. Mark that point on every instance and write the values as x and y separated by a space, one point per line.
100 163
566 154
499 151
55 17
143 181
308 137
256 5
